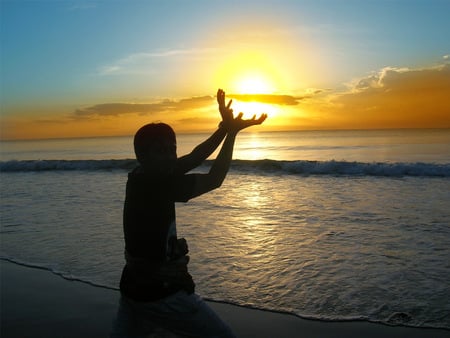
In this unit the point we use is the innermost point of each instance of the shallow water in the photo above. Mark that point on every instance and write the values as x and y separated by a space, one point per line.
325 245
321 247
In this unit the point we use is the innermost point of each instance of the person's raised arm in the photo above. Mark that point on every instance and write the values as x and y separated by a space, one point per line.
200 153
206 148
221 165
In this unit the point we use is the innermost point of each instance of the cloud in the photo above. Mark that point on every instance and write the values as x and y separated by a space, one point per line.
284 100
396 97
406 81
145 62
419 79
182 105
120 109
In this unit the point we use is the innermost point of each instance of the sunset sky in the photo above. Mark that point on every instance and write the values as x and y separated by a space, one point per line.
97 68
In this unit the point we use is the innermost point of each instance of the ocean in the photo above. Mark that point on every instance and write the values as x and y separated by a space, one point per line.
328 225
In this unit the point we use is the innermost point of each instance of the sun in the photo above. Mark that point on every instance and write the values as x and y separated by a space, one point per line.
254 84
253 73
251 108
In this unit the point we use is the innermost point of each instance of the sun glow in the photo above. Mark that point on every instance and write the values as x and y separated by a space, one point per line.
254 84
249 72
249 109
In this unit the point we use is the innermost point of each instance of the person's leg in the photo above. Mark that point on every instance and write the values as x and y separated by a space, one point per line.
123 324
129 322
186 315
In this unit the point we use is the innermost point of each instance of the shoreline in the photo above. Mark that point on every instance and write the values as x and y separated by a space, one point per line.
35 300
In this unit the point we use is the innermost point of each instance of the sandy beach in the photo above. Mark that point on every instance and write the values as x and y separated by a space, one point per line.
37 303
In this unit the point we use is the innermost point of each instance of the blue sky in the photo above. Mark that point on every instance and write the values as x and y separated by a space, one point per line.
57 56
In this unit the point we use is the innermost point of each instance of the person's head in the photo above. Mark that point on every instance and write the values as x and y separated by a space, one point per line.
155 147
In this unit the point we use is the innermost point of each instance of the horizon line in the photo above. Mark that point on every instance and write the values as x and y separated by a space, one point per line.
208 132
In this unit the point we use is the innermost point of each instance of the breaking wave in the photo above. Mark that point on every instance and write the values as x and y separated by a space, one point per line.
299 167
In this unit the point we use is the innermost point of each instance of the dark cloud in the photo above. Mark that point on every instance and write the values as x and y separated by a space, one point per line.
115 109
194 102
120 109
283 100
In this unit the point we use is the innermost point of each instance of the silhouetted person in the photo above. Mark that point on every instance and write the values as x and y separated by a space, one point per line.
157 291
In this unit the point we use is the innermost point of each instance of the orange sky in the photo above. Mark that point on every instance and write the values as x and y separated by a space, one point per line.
391 98
307 65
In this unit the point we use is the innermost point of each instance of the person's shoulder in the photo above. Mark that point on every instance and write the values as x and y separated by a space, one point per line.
184 177
139 177
139 173
136 171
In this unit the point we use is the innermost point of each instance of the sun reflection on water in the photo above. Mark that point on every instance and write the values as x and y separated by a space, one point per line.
251 147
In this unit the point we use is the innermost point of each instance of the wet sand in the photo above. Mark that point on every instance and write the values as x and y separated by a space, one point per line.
37 303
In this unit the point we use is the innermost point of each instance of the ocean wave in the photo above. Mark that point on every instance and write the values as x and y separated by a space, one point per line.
347 168
300 167
66 165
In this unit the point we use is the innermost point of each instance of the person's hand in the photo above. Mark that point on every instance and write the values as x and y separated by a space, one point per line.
239 123
231 123
225 111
